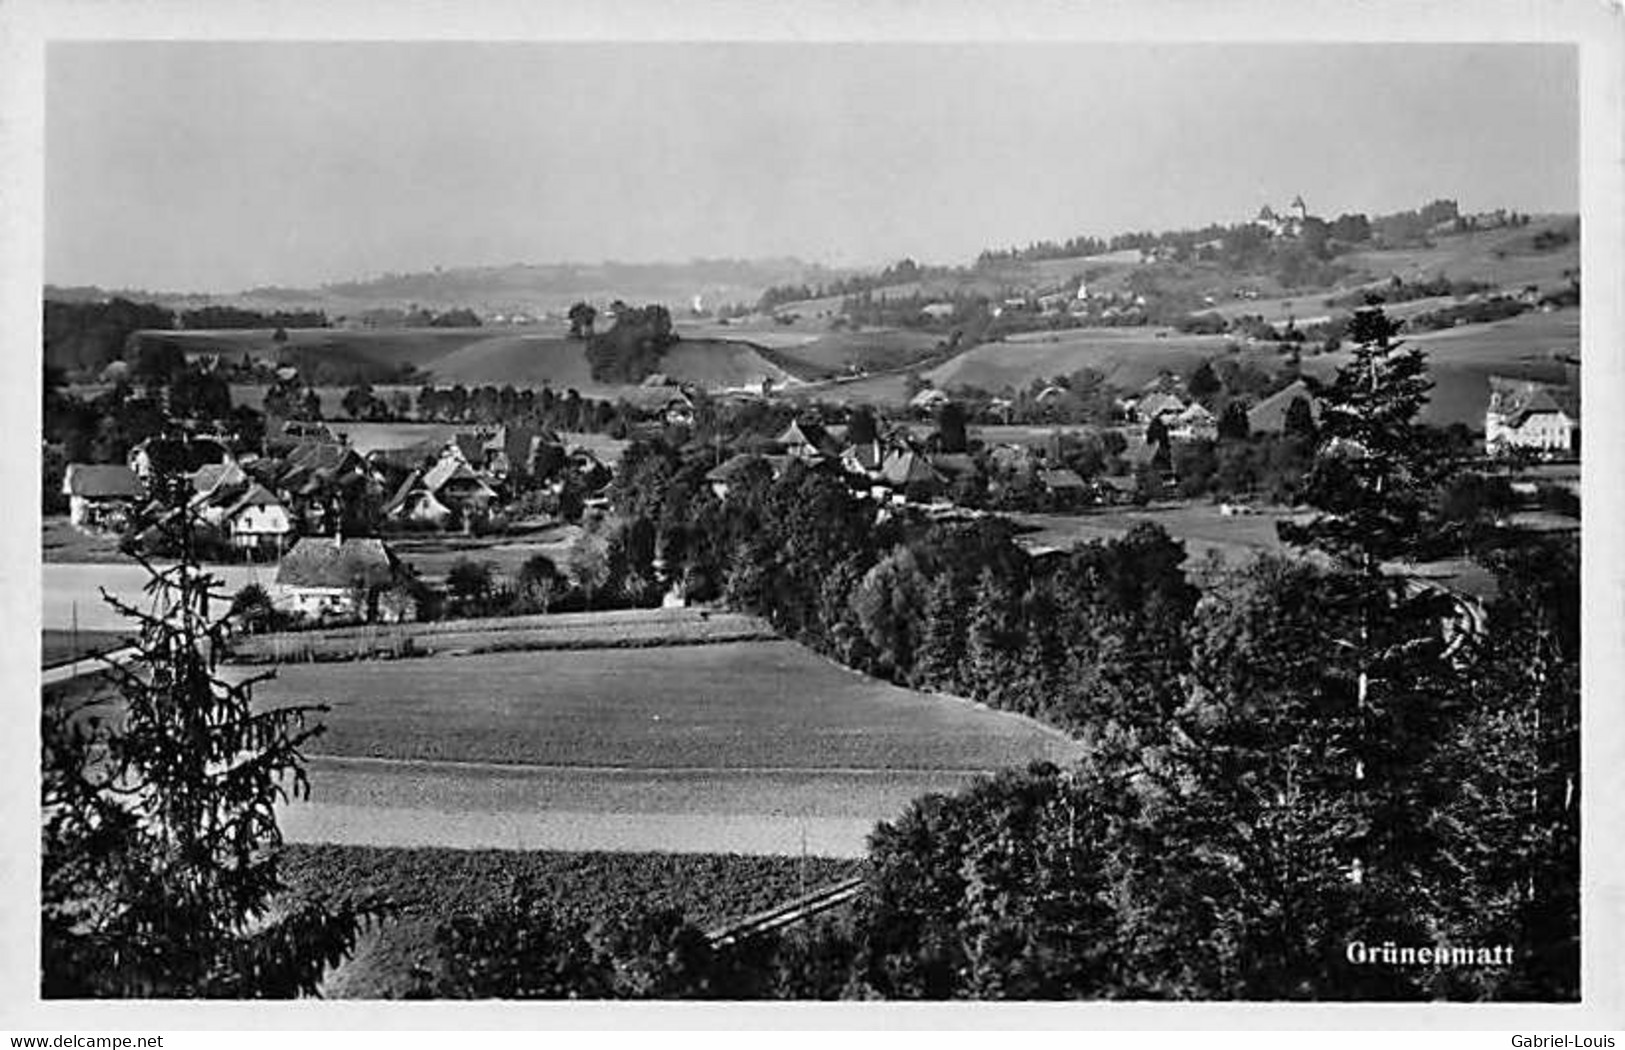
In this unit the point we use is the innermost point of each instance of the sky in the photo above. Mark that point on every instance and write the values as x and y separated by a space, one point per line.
217 167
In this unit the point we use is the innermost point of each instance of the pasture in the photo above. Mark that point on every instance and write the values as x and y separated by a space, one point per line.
1461 360
1199 526
1504 257
413 346
878 350
1127 357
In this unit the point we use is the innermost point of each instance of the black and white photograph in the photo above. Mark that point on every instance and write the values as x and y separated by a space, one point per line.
764 513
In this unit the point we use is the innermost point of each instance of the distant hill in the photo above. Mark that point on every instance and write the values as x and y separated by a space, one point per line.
517 288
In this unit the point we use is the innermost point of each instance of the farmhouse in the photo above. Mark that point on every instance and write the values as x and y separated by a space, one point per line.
330 577
1163 406
909 472
1523 414
1269 415
457 485
864 459
415 501
258 521
1193 423
808 441
512 450
216 488
928 400
734 471
100 497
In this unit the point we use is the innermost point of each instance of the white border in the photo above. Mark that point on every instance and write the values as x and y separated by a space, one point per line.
1594 26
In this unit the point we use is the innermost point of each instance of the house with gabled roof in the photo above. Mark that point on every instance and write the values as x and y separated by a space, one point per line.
458 485
215 488
864 459
1160 405
511 450
101 496
332 577
414 501
258 520
1524 414
729 473
909 472
1193 423
808 440
1269 415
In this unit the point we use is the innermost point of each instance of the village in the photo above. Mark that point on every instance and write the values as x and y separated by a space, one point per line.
332 518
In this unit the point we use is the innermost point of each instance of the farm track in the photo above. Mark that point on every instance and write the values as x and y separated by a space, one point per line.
789 913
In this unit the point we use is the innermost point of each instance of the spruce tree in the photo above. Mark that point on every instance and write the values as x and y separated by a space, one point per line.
1370 483
160 857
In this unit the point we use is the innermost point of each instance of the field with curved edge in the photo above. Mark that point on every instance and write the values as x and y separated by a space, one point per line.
1128 357
739 705
1461 360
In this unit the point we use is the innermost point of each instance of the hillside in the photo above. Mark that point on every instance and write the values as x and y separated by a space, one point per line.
1507 258
1128 357
533 289
1461 360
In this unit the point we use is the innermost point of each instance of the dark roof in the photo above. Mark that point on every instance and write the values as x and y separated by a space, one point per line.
810 434
212 477
867 456
1269 415
101 481
450 469
312 455
733 468
472 446
407 457
1062 479
326 561
517 444
1517 399
907 468
256 496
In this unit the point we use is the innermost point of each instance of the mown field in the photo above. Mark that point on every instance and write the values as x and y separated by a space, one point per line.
880 350
1128 357
414 346
1461 360
1198 525
742 705
429 886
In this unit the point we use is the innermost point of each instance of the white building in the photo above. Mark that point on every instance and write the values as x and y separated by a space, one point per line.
1523 414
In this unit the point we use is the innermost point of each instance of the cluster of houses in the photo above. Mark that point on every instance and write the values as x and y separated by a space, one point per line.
892 467
289 504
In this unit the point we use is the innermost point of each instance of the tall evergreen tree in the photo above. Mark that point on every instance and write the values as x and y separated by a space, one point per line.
1371 485
160 863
